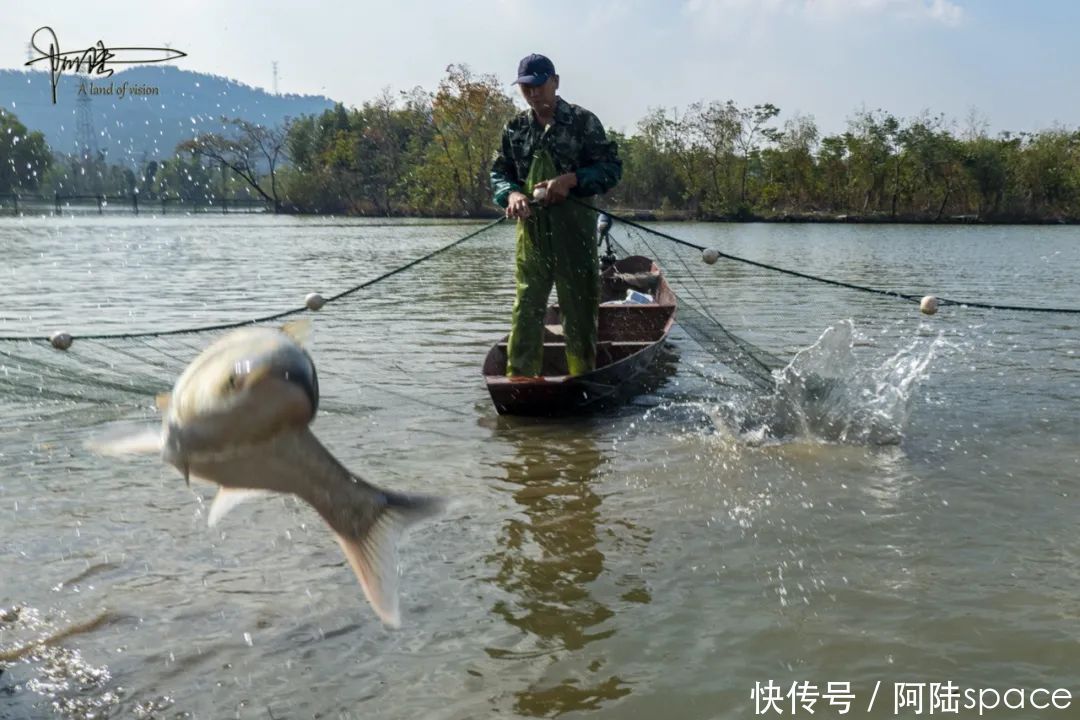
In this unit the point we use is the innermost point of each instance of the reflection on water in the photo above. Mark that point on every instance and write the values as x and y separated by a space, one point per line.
552 553
549 561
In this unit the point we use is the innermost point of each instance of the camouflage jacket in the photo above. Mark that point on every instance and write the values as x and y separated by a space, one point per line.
576 141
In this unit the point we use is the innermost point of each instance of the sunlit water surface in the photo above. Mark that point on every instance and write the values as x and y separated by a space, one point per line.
903 509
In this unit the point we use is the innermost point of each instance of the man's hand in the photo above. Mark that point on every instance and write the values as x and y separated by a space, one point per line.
517 206
557 188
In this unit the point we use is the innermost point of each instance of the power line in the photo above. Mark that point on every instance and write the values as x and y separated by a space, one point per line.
85 136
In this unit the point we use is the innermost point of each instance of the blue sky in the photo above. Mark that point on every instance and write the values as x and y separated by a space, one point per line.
1015 62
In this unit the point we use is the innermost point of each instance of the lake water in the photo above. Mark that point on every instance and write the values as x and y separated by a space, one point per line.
912 518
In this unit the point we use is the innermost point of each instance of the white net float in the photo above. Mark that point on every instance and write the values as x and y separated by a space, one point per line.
61 340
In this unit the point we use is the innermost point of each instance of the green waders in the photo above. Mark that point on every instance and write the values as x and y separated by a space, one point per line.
556 244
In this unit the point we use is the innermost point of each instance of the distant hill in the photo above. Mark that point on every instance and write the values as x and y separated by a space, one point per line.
137 127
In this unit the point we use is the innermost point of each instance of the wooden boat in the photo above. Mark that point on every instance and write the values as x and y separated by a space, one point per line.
630 336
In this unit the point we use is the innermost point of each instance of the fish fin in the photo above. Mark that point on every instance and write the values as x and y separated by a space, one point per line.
298 330
372 553
146 441
162 400
228 498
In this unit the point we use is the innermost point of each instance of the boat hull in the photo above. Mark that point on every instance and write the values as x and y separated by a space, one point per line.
630 338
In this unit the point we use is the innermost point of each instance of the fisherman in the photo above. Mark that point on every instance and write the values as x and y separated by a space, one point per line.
561 148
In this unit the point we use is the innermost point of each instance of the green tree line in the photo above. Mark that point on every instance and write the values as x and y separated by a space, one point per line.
721 160
427 153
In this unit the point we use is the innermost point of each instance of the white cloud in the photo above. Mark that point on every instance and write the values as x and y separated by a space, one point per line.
943 11
946 12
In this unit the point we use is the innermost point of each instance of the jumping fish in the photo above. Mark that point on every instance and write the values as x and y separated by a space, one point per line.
239 416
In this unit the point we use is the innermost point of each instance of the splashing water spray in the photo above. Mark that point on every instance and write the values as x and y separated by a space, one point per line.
829 394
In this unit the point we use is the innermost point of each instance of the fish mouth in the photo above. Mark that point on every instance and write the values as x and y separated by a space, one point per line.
294 368
308 380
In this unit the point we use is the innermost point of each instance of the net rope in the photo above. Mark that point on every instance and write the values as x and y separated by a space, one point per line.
836 283
129 368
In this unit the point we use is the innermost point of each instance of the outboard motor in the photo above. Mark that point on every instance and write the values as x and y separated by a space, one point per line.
603 226
603 223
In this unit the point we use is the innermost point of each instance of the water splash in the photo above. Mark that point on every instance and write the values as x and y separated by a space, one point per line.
74 688
829 393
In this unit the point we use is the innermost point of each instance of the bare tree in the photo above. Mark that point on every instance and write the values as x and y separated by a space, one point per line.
246 152
753 129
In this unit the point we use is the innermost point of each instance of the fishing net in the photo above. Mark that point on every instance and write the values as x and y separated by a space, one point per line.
725 312
699 306
108 374
116 372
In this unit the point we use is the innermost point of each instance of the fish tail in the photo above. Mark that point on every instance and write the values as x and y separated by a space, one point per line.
371 547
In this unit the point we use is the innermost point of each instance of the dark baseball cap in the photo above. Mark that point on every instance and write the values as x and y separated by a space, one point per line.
534 70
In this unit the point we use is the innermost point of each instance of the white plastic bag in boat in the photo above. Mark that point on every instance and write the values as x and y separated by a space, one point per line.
633 296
